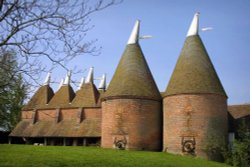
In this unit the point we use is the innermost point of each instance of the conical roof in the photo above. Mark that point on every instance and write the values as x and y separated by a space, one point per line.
87 96
133 77
42 97
62 97
194 71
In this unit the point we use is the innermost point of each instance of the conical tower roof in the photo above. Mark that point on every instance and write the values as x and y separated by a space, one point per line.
87 96
194 71
132 77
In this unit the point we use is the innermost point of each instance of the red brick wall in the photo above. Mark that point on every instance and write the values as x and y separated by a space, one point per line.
138 122
27 114
202 116
47 115
92 113
66 114
69 114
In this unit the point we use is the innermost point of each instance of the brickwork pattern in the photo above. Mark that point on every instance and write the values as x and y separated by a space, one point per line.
66 114
199 116
46 115
137 122
26 114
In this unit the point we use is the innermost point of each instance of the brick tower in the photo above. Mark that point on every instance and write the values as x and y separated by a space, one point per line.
131 106
195 103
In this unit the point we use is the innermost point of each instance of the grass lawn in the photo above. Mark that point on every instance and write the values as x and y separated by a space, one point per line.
28 155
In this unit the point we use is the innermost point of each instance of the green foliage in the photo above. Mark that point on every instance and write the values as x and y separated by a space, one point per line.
239 153
12 91
215 143
215 147
57 156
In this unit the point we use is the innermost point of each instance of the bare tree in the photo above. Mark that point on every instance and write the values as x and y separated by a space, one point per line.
47 29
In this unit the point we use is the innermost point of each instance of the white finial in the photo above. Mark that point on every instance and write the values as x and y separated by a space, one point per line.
82 82
135 33
102 84
47 79
61 83
90 76
67 78
194 27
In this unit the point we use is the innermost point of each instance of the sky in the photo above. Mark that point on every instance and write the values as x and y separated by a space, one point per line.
228 44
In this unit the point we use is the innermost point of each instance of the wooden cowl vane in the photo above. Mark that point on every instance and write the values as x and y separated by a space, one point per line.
131 105
195 103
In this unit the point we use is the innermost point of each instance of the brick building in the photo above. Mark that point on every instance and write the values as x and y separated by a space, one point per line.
190 117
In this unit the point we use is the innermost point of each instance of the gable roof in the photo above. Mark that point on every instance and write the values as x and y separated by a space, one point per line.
239 111
194 71
132 77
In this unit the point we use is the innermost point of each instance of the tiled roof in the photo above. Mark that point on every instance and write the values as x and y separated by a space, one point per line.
87 96
65 128
194 71
132 77
239 111
62 97
39 100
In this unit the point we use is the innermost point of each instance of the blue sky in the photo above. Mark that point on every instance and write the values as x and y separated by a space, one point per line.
228 44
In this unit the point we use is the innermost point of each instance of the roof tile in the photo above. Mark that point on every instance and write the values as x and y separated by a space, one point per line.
132 77
194 71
